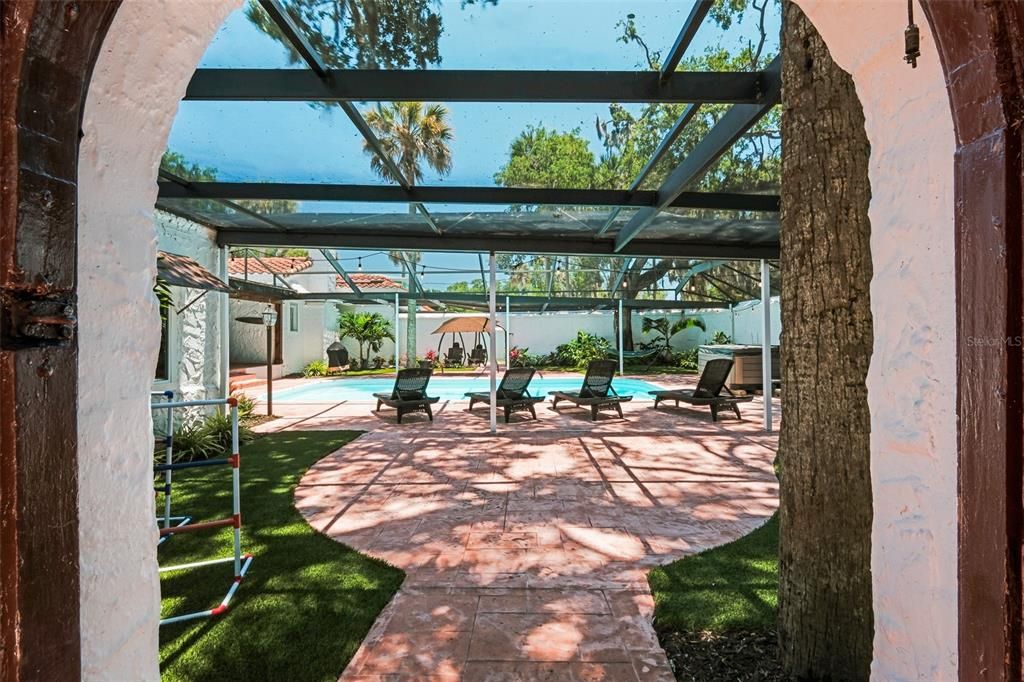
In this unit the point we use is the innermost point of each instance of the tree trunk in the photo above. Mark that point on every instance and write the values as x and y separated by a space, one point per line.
410 336
825 608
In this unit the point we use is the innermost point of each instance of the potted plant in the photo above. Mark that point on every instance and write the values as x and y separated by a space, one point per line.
430 360
369 330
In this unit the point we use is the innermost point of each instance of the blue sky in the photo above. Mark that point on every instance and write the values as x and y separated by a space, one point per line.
294 142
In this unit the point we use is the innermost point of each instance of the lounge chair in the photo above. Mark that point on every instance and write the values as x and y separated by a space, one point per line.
409 393
513 393
597 392
709 390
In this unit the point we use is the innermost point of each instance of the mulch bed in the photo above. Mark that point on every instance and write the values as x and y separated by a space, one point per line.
740 655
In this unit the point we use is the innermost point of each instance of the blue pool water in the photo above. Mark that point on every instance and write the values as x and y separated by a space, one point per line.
447 388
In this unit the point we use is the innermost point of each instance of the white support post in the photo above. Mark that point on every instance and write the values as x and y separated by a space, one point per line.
622 324
492 356
508 334
225 327
732 323
398 333
766 345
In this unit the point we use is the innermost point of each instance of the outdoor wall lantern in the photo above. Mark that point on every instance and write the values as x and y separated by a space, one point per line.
269 320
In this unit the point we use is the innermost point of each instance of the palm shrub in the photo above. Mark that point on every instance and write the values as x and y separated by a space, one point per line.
584 348
207 439
721 339
316 368
246 405
687 359
369 330
664 330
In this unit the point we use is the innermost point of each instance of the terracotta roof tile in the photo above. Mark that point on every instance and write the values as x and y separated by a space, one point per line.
369 282
281 265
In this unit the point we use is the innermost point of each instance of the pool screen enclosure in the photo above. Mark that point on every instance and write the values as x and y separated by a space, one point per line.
646 219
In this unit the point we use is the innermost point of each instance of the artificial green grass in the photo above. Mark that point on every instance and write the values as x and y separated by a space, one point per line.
306 602
728 588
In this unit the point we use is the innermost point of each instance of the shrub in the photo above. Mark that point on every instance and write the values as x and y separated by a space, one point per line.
218 426
721 339
687 359
192 442
316 368
584 348
246 406
206 439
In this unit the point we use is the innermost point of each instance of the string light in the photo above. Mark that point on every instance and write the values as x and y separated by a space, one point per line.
360 265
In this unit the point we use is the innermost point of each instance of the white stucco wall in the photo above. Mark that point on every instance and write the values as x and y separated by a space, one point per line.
542 333
912 378
194 356
149 55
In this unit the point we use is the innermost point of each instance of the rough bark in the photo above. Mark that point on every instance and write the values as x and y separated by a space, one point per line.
825 609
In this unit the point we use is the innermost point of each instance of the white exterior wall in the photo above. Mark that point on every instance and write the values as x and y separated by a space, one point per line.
146 61
194 334
149 56
912 378
542 333
317 321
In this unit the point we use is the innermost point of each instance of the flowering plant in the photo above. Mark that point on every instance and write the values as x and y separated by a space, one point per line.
431 356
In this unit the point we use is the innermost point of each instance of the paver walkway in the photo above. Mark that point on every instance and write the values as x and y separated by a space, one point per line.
526 552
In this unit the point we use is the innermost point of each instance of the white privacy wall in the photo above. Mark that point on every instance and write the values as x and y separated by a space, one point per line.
542 333
912 378
147 58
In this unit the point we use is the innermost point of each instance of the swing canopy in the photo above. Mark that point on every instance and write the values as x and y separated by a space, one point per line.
465 325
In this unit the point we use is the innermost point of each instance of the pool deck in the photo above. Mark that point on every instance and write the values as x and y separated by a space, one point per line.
526 552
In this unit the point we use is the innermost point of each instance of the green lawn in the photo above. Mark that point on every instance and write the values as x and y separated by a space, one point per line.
732 587
307 601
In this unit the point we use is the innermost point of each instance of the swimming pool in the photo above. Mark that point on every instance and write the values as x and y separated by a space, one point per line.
447 388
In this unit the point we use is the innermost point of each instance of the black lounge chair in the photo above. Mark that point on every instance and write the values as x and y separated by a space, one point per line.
513 393
597 392
709 390
409 394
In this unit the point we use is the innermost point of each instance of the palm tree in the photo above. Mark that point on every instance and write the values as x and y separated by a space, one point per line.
368 329
410 133
665 330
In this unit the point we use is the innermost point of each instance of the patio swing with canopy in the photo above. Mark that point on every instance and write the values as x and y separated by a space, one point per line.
479 327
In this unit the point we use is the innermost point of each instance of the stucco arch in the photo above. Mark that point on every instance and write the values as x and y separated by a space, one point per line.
140 74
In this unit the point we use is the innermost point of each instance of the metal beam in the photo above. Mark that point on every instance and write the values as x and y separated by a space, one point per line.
481 299
341 271
185 183
738 120
722 283
323 77
666 143
294 35
694 269
451 85
429 218
726 201
685 37
389 238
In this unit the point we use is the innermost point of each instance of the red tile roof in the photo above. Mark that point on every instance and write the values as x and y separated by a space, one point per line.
370 282
281 265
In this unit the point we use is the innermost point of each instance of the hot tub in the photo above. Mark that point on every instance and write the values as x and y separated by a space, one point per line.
746 369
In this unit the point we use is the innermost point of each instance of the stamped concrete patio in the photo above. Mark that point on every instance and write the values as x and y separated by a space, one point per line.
527 552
